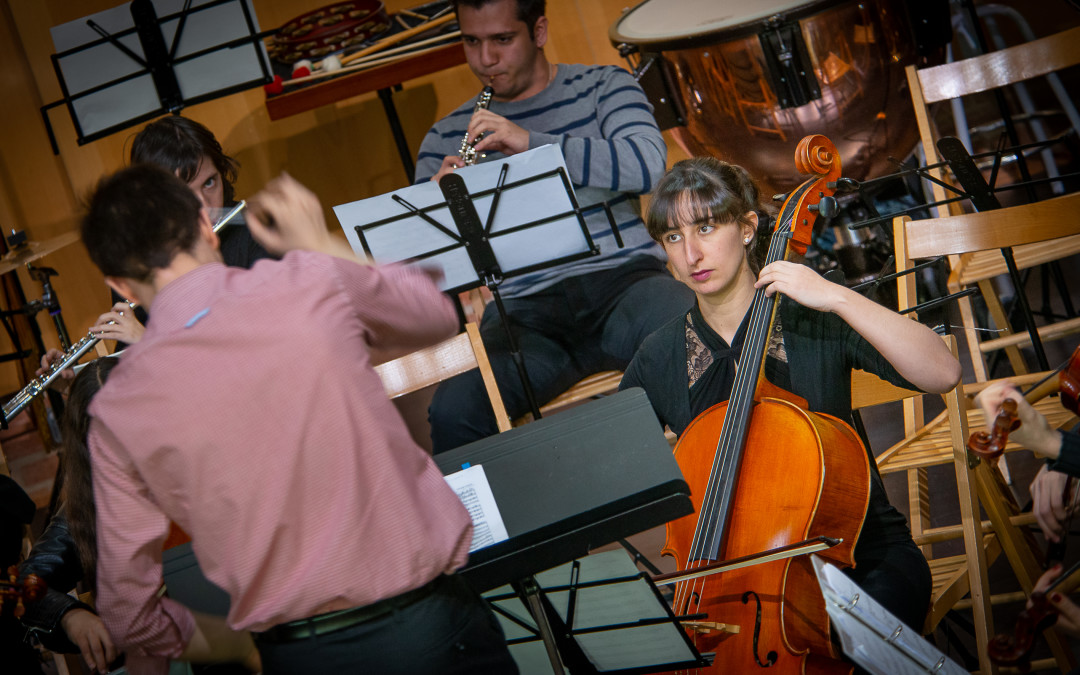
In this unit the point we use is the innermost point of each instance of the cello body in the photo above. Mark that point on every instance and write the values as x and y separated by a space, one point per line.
804 474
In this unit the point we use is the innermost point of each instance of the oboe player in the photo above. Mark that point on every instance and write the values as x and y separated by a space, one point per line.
583 317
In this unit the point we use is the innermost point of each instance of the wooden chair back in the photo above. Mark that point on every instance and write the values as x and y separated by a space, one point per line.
951 81
1033 231
432 365
984 73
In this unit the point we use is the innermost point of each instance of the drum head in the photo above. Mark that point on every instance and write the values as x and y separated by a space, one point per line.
674 24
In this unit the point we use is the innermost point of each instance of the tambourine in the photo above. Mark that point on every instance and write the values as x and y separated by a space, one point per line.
329 29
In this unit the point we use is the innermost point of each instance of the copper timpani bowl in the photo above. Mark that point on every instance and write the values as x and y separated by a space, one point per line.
752 77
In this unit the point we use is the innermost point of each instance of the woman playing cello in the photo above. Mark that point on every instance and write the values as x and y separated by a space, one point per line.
705 213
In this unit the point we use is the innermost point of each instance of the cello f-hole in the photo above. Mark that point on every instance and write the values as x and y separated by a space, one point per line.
772 656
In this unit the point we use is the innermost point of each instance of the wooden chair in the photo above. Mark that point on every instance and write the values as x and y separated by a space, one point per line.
970 76
432 365
955 576
935 442
597 384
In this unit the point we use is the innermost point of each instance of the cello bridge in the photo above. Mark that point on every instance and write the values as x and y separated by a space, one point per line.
710 626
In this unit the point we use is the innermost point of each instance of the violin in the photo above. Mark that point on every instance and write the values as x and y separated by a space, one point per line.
771 615
1015 650
1065 380
30 589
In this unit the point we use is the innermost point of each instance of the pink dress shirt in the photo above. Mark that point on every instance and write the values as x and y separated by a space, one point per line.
251 415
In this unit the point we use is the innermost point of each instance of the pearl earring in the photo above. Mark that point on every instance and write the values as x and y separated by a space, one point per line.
746 241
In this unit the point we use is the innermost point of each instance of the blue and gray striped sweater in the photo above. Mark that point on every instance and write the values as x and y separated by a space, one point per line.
601 119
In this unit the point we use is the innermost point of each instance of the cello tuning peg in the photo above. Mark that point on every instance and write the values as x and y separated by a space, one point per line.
844 185
826 208
779 198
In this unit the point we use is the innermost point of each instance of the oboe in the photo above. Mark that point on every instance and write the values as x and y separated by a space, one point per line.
467 151
39 383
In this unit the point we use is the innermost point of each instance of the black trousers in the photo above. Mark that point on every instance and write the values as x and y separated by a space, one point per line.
451 631
579 326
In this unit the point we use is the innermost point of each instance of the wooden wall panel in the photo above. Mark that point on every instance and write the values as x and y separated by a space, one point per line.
343 151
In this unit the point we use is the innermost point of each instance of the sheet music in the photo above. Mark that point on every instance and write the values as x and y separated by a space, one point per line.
472 487
871 635
401 235
627 599
214 71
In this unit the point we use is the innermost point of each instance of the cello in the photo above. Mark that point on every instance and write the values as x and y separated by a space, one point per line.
729 456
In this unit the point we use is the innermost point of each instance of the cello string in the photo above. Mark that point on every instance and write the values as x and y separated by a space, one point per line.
740 400
754 346
725 459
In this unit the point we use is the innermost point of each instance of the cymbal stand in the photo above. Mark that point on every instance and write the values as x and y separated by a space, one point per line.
48 301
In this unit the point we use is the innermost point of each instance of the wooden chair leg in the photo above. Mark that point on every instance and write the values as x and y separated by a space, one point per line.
971 337
919 505
971 520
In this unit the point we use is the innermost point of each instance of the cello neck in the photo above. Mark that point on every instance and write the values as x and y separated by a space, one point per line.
749 384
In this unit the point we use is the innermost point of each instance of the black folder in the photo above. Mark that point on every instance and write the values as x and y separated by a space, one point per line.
572 482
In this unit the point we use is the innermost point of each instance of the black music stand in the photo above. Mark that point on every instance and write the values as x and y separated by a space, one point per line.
568 484
981 194
119 68
459 227
606 616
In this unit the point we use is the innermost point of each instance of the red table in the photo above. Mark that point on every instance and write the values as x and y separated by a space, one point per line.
382 79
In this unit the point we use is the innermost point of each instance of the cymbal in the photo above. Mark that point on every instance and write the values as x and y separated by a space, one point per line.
32 250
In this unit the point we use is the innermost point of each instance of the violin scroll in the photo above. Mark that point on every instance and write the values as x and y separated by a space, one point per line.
1015 650
991 445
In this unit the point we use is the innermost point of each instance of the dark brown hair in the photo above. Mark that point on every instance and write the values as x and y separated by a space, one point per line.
178 144
528 11
78 485
139 219
709 190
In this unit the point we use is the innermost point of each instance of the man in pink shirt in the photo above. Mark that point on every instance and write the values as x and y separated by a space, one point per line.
250 415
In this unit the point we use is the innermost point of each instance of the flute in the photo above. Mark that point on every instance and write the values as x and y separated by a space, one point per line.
38 385
41 382
230 215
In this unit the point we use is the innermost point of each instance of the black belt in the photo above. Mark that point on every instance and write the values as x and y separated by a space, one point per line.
346 618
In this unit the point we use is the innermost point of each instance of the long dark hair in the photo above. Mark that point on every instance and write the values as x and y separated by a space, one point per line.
78 485
706 188
178 144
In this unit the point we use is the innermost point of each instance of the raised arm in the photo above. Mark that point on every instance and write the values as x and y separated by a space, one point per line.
286 216
915 351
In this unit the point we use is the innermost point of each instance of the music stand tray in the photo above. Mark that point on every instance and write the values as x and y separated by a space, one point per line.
614 615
